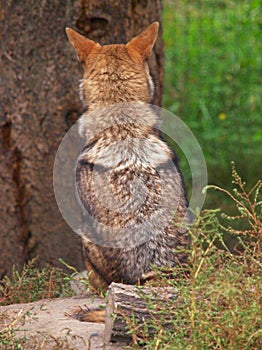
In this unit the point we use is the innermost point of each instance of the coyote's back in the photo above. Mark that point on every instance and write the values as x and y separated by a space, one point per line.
127 180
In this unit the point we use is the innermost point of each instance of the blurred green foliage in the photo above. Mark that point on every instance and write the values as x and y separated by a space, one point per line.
213 56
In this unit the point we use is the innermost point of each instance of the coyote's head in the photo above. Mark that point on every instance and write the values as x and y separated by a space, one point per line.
115 73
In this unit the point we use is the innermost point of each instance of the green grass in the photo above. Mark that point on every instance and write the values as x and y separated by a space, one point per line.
220 296
219 302
31 284
213 82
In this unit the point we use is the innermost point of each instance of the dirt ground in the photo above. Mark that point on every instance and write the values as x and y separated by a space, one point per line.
45 325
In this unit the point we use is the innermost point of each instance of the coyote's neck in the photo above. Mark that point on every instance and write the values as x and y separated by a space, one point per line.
135 114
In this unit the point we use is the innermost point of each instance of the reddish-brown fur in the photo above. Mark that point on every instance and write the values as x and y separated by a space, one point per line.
142 183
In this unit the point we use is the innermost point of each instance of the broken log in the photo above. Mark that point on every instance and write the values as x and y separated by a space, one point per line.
137 305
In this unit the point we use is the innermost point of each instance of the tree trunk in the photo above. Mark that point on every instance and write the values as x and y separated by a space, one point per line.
128 303
39 102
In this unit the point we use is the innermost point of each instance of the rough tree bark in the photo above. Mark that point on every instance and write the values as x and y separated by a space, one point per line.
39 102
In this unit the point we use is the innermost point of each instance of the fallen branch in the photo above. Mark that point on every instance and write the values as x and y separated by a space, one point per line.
128 304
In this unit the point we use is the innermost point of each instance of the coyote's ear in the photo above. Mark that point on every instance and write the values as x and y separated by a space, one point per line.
141 45
82 45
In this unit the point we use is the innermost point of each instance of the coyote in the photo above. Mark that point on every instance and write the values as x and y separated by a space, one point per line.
128 181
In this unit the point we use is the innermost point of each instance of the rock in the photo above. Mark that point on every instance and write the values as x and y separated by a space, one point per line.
46 325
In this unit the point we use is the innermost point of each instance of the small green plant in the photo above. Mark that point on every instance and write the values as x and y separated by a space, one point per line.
219 304
249 207
81 281
7 334
32 284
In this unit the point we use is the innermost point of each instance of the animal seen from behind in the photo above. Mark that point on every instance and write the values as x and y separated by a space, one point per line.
128 182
